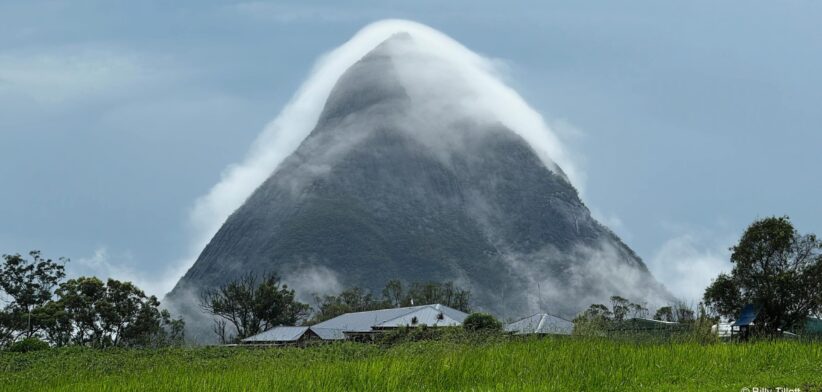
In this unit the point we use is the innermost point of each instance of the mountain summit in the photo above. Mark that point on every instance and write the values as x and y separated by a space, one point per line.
408 176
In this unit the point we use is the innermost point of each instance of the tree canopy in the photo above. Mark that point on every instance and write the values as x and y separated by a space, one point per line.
39 305
251 305
775 268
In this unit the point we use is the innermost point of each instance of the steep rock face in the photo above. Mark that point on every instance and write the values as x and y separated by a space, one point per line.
394 185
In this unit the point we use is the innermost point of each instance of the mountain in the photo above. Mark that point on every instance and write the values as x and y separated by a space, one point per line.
403 177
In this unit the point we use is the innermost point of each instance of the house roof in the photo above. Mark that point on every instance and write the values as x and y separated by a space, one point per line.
747 316
364 321
432 315
278 334
541 323
335 328
328 333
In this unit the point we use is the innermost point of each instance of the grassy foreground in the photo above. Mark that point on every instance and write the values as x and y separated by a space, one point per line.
544 364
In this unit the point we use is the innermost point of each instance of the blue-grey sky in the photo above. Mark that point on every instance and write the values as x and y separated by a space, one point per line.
688 120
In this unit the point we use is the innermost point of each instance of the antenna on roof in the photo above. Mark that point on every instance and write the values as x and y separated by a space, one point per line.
539 294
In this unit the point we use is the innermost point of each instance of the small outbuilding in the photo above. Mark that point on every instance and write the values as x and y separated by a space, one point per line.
744 324
283 335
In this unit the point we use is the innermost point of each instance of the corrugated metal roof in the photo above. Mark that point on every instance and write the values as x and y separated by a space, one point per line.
541 323
334 328
328 333
429 315
363 321
747 316
278 334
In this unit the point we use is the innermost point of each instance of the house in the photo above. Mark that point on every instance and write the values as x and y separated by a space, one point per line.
362 325
541 324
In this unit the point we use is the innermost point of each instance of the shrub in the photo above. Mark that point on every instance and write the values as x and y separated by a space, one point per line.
28 344
481 322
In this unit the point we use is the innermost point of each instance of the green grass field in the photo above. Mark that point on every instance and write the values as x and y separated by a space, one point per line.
561 364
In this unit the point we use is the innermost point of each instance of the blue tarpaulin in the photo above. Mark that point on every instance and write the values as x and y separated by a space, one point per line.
747 316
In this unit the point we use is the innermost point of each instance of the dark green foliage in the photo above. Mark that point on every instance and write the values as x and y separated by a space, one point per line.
28 345
777 269
619 307
90 312
28 286
481 322
664 313
83 311
251 306
675 313
438 293
598 318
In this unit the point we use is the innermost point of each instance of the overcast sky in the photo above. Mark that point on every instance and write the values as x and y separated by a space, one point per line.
688 121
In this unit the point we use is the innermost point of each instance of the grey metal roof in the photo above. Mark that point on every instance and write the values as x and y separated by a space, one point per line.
428 315
278 334
328 333
541 323
363 321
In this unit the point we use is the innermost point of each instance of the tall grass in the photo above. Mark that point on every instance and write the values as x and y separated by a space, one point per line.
561 364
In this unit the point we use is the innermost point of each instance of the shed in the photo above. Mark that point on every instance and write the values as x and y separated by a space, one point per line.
743 324
281 335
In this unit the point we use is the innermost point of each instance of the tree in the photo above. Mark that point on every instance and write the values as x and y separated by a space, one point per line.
28 285
619 307
678 312
637 310
351 300
422 293
252 306
683 313
90 312
598 318
393 293
481 322
665 313
777 269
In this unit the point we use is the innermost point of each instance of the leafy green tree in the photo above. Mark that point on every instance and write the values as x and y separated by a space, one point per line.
351 300
776 268
252 306
393 293
665 313
481 322
446 293
27 285
598 318
90 312
683 313
619 307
